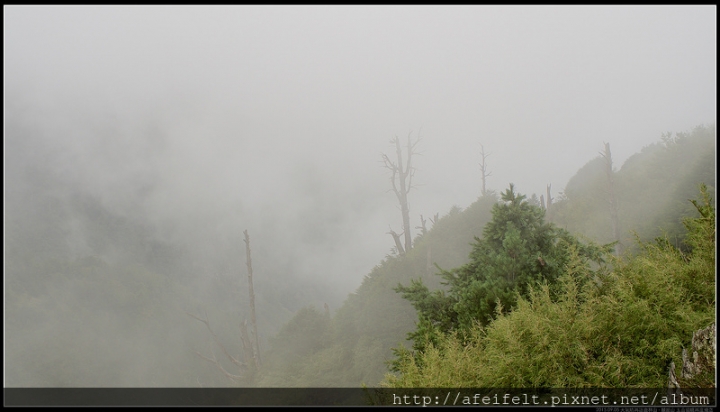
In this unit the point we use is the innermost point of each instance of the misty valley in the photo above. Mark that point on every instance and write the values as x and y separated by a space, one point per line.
358 196
99 297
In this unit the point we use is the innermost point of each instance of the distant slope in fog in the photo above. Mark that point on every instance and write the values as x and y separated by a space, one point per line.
652 188
352 348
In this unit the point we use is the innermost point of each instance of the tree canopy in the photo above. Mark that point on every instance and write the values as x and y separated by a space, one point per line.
623 329
518 250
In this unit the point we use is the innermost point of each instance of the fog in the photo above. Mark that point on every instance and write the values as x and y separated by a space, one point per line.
201 122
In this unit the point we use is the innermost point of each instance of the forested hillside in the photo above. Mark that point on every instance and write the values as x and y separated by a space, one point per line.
97 296
561 268
590 327
651 190
355 345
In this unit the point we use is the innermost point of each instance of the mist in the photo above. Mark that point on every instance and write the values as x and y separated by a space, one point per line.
181 126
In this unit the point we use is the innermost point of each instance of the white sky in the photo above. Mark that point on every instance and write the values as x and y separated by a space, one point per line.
281 112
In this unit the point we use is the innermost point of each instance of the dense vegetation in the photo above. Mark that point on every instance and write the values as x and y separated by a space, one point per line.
619 328
518 250
552 259
616 329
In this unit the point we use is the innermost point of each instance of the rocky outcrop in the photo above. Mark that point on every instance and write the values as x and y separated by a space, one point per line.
702 359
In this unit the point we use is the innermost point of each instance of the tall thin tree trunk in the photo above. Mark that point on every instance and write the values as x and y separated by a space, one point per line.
248 351
253 319
405 209
483 169
549 198
611 196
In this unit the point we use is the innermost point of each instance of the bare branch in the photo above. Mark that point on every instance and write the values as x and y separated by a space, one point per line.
388 163
216 340
422 226
219 366
393 167
193 316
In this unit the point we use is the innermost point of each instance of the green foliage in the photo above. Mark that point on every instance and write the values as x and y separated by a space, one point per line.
518 250
367 333
304 335
619 329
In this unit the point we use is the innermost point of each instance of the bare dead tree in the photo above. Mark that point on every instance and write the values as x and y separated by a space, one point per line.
422 227
549 198
251 348
398 243
402 181
483 168
612 201
253 319
435 218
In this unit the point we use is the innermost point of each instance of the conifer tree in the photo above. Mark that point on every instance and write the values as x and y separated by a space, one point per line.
518 250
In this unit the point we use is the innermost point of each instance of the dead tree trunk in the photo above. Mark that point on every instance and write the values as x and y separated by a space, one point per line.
483 169
402 182
549 198
611 196
398 243
251 350
423 226
253 319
